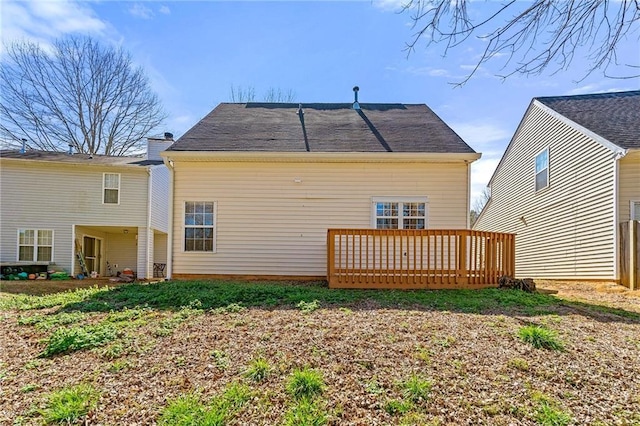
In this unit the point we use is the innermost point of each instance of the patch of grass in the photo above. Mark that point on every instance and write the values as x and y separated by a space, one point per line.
186 410
540 337
117 366
373 387
66 339
416 389
29 388
69 404
394 407
519 364
231 308
548 412
305 383
423 354
307 307
306 412
220 358
24 302
133 317
46 322
259 369
189 410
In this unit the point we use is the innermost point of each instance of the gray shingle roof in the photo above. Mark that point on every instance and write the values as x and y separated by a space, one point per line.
614 116
278 127
63 157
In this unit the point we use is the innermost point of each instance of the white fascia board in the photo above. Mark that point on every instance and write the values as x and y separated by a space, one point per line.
318 157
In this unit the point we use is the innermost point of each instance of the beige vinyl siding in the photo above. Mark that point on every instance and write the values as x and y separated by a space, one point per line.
565 230
122 251
160 198
628 183
269 224
47 195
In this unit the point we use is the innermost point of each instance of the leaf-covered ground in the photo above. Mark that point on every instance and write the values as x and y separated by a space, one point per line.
438 357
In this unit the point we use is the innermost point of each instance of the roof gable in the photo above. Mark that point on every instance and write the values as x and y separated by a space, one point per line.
613 116
321 127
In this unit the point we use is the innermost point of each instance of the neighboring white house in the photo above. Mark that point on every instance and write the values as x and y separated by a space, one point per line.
113 209
256 186
569 177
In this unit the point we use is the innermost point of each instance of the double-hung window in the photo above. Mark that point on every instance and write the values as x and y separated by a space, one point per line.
410 213
542 169
111 188
635 210
199 226
35 245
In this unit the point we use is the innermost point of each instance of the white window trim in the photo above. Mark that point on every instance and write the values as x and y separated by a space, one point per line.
35 245
634 204
535 173
400 200
215 228
103 187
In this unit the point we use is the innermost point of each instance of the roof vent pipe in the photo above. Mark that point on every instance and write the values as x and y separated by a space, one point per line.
356 105
24 146
300 110
168 136
70 149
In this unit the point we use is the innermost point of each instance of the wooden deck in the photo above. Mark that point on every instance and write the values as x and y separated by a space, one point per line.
418 259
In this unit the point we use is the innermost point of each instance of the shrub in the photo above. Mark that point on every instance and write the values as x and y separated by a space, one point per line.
540 337
305 383
69 404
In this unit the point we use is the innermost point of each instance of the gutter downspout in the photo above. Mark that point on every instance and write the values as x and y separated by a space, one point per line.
616 222
149 253
169 164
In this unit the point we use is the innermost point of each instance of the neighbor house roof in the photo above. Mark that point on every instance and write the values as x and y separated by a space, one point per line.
63 157
613 116
321 127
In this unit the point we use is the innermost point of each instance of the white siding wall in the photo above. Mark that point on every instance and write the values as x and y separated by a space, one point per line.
37 195
160 198
628 183
565 230
267 224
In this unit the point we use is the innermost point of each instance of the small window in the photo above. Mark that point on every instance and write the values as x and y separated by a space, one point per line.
635 210
111 188
400 214
199 226
542 170
35 245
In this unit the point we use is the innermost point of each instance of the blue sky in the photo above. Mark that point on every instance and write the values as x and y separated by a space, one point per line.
194 52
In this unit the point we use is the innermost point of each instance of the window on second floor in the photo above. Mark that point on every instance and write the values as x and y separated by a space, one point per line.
111 188
542 169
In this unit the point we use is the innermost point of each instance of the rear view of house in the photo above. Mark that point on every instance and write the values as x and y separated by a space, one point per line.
256 186
568 184
113 210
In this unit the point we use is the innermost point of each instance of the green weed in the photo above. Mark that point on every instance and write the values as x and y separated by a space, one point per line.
24 302
220 358
416 389
305 383
29 388
306 412
231 308
518 364
548 413
540 337
308 307
394 407
187 410
65 340
69 404
46 322
259 369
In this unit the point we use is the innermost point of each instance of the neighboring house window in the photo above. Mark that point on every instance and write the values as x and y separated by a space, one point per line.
400 214
199 225
635 210
542 170
35 245
111 188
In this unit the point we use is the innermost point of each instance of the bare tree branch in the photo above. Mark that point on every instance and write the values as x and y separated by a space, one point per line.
241 95
81 94
534 35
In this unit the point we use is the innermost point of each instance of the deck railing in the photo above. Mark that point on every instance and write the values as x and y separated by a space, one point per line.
431 258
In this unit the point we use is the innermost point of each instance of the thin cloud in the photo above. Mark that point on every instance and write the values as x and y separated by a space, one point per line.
390 5
164 10
41 21
140 11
